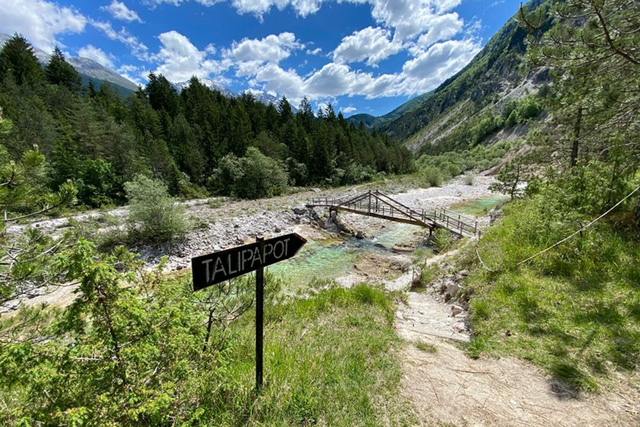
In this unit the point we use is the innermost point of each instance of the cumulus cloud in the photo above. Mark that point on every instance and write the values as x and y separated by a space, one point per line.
423 27
250 54
410 18
179 59
442 60
286 82
349 110
39 21
372 44
442 27
97 54
120 11
138 48
420 74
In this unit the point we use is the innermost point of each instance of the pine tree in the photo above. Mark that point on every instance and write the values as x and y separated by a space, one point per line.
60 72
593 56
18 61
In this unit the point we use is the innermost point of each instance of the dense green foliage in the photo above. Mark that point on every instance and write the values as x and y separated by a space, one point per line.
558 280
140 349
153 216
99 140
250 177
434 169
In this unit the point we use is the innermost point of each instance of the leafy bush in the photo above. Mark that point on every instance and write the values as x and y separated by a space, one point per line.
454 163
155 353
356 173
98 183
431 176
468 179
152 214
442 240
250 177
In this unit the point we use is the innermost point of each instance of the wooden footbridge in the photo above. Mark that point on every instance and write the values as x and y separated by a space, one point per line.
379 205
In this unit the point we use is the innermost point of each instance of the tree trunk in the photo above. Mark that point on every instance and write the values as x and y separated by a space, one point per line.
638 214
208 336
576 139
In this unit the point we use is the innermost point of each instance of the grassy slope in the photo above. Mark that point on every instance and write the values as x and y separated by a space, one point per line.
329 359
574 310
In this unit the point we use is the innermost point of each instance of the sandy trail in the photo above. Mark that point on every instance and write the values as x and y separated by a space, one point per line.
447 387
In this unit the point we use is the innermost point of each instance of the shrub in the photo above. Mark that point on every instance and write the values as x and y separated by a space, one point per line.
250 177
468 179
442 240
431 176
152 215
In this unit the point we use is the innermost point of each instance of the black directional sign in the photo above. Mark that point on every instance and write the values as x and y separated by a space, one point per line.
224 265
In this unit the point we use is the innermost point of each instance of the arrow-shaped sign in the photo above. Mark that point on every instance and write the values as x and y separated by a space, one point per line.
224 265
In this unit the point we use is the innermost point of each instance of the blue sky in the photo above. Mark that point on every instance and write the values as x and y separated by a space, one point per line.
363 56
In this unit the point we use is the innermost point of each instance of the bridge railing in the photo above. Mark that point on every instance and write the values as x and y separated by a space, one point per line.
327 201
453 221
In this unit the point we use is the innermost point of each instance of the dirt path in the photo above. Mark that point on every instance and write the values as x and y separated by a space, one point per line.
447 387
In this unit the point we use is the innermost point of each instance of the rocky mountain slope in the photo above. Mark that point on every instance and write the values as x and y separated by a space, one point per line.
496 75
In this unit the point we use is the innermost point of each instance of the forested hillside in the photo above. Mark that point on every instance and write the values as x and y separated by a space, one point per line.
467 107
197 142
376 122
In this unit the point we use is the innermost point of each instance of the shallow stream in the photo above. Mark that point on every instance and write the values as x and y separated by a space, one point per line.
332 258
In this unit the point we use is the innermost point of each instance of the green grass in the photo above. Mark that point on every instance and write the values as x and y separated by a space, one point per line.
329 360
479 207
426 347
574 310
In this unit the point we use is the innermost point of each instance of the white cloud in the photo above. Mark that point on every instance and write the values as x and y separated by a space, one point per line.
97 54
285 82
349 110
250 54
120 11
442 27
420 74
180 60
423 27
372 44
138 48
134 73
439 62
39 21
410 18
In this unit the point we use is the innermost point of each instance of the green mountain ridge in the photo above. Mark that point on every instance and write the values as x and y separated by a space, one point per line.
371 121
498 69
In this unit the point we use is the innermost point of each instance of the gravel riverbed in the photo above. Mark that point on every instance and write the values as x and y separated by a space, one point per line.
226 223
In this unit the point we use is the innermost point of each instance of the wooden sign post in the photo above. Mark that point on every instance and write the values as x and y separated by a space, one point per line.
224 265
